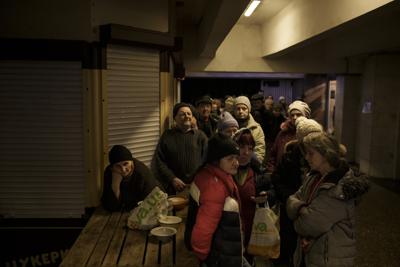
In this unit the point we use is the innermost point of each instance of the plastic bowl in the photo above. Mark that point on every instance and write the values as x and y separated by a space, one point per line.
170 221
163 233
178 202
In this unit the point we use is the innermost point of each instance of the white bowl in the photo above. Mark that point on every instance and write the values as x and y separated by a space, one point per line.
163 233
178 202
172 221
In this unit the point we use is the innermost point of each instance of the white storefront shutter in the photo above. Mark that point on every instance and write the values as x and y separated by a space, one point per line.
133 99
41 140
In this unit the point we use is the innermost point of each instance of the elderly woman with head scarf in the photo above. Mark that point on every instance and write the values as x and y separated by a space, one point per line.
323 209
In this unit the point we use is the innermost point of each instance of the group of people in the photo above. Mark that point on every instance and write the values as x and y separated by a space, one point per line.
219 154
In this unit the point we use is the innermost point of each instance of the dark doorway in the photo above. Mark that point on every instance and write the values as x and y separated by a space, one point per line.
193 88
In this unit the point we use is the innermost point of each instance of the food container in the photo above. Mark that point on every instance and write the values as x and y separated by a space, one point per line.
170 221
163 233
178 202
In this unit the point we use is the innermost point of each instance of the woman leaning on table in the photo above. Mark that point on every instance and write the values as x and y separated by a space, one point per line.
126 180
323 208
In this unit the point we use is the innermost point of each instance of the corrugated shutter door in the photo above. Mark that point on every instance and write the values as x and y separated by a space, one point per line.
133 100
41 140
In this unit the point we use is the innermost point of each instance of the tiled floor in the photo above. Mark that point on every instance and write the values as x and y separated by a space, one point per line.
378 226
389 184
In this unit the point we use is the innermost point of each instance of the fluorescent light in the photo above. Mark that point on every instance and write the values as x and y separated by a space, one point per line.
250 9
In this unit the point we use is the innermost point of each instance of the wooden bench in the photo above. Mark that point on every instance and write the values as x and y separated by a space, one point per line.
106 241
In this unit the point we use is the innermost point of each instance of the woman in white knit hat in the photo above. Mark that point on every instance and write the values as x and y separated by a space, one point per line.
288 132
287 178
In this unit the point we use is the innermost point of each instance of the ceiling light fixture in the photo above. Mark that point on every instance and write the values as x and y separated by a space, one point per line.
250 8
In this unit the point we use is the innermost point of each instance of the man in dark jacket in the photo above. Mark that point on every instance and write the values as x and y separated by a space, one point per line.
180 152
126 180
206 122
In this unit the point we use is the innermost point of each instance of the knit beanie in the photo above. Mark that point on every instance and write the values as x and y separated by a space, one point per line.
230 100
220 146
243 100
226 120
257 97
300 106
306 126
204 99
180 105
119 153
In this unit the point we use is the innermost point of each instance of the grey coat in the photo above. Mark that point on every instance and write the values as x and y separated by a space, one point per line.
327 218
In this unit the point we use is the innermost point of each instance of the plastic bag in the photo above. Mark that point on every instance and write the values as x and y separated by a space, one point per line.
145 215
265 240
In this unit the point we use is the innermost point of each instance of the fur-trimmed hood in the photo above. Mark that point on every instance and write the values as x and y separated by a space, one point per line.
351 186
344 184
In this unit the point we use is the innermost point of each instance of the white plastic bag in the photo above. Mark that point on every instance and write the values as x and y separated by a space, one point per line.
265 240
145 215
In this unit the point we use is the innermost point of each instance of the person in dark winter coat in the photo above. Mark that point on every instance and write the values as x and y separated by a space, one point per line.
323 209
180 152
274 126
252 181
206 122
213 228
287 179
288 132
126 180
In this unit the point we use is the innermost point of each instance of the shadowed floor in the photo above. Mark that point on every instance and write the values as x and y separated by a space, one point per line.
378 226
377 229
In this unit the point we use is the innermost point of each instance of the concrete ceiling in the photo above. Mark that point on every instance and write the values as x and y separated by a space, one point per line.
193 11
204 24
372 33
265 10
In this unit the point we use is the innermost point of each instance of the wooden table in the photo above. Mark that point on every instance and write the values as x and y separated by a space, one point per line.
106 241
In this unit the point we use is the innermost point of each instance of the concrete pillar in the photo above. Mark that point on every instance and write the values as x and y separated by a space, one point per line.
347 110
379 122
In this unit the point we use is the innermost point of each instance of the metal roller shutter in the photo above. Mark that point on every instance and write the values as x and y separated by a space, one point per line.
41 140
133 99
